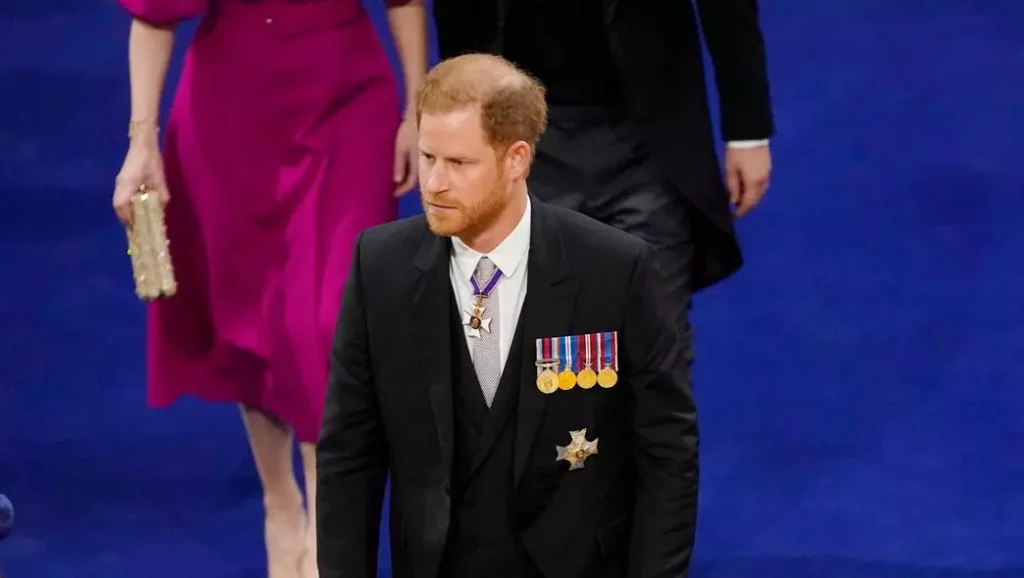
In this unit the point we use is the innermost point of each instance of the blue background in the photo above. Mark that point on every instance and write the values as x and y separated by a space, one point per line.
859 380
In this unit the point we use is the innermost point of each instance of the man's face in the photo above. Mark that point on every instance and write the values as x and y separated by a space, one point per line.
462 177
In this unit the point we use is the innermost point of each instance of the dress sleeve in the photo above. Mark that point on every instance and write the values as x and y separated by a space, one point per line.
164 12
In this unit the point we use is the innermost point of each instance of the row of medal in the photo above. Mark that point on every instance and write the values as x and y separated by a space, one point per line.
577 360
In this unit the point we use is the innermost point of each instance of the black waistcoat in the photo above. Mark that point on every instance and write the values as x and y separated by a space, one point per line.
482 541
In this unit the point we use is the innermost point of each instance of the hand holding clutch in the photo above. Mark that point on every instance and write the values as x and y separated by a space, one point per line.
149 248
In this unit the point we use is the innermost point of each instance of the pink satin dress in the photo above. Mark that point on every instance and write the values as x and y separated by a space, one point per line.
278 151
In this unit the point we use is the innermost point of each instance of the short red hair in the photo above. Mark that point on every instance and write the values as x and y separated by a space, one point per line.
512 103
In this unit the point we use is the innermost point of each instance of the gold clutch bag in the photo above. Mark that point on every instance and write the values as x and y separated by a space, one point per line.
149 248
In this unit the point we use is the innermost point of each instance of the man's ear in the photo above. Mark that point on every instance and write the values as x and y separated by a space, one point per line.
517 160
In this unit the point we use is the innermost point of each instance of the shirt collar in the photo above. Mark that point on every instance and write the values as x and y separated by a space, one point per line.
508 256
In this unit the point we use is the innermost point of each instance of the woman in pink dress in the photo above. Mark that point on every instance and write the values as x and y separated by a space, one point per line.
285 139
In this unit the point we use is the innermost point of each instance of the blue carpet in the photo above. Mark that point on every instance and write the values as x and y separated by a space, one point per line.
858 383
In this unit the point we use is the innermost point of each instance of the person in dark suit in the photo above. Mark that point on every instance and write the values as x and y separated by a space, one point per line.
508 363
630 139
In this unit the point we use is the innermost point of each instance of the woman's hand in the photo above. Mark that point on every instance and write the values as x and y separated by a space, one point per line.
142 166
406 157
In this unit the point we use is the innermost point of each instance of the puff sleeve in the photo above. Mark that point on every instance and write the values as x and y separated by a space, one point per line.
164 12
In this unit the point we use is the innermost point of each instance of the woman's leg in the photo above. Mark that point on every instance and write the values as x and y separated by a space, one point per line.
285 518
308 451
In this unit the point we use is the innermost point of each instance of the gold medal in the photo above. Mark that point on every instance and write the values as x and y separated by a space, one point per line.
547 379
586 378
566 379
608 354
566 357
547 382
607 378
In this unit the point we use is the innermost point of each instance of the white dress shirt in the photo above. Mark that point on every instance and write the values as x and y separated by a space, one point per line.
747 144
511 258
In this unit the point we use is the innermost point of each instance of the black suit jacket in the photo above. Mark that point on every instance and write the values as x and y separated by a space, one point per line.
389 408
657 50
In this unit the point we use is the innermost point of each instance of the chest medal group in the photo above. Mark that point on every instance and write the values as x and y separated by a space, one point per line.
577 360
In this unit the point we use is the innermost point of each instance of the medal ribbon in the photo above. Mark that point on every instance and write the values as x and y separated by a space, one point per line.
489 286
609 342
592 344
584 357
543 353
566 358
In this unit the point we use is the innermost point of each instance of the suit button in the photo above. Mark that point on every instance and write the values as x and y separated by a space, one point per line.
269 20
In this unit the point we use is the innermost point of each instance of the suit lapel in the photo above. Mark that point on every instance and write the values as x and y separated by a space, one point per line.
547 312
432 299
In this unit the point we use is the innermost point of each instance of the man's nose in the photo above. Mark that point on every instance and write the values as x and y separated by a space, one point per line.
437 179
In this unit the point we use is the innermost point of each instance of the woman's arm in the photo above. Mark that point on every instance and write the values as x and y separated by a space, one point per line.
149 55
408 22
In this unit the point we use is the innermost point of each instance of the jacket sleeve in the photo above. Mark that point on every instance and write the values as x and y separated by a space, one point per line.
665 433
164 12
352 453
736 46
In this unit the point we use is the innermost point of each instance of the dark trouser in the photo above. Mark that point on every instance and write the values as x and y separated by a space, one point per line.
591 159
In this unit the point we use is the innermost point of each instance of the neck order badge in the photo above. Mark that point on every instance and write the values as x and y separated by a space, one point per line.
474 318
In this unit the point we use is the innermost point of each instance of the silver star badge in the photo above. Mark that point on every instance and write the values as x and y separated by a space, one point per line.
578 450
